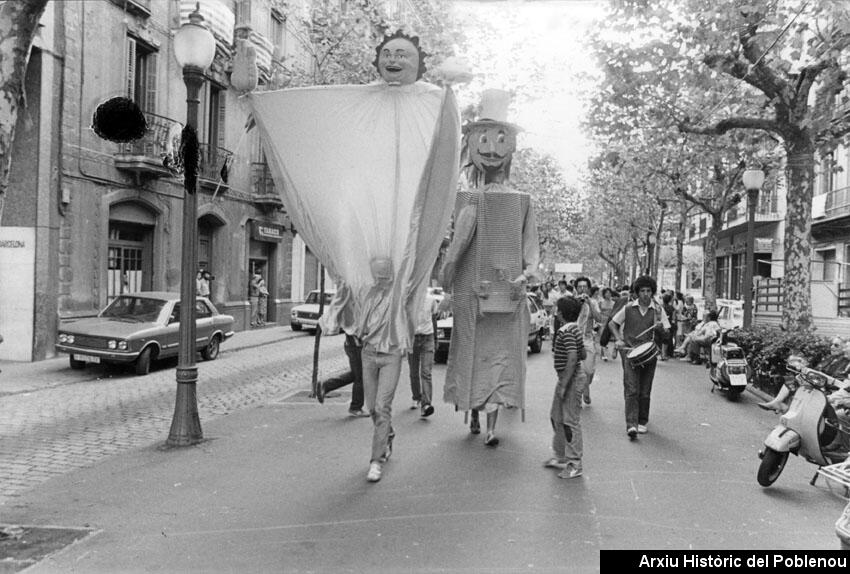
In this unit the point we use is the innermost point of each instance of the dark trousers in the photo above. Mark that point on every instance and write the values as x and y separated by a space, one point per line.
637 387
354 375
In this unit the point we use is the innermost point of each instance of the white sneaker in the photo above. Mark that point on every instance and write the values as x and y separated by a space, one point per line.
642 429
414 405
374 474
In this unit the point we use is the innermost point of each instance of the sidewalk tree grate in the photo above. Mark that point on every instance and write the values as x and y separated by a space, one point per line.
24 546
303 397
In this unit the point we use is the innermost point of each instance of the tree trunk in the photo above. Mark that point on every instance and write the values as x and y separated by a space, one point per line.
657 247
681 228
709 285
20 22
799 174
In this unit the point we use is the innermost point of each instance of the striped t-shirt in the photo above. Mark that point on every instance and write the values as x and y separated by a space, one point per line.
567 338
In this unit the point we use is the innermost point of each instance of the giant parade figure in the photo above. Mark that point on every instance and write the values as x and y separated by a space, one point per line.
493 252
367 173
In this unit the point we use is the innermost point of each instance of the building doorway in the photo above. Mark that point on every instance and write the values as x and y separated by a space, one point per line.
129 261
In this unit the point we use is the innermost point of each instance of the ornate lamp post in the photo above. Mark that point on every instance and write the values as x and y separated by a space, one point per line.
650 251
753 180
194 50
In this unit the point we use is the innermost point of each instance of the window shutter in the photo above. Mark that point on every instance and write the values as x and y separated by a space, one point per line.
150 82
222 115
131 68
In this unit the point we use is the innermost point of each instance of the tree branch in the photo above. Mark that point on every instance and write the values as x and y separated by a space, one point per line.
735 122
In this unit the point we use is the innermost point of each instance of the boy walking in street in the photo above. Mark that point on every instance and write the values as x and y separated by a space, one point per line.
635 324
421 358
565 414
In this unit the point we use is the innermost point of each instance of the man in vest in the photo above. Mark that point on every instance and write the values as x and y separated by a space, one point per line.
634 324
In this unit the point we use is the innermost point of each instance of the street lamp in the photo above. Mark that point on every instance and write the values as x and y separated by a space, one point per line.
650 251
194 50
753 180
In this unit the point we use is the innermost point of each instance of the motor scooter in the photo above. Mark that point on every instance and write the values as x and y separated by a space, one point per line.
809 428
727 365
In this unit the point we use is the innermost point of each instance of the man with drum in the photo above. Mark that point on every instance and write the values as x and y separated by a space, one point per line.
634 327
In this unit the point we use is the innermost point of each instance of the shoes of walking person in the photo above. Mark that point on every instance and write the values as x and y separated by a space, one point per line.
357 413
427 410
555 463
389 451
475 426
642 429
374 474
632 432
491 439
414 405
572 471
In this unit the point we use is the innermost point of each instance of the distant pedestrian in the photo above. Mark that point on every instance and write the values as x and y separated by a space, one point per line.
421 359
262 303
589 317
202 284
254 296
565 414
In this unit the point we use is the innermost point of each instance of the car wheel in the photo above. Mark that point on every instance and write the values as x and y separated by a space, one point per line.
210 352
143 363
75 364
537 344
295 326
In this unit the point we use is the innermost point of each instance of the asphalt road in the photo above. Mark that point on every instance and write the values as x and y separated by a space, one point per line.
280 486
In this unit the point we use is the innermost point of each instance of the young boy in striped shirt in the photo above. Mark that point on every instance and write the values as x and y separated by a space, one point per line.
568 348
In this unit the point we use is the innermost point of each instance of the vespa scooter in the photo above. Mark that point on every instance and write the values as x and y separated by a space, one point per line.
809 428
727 365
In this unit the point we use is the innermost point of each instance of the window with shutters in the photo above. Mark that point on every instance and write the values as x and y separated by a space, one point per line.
142 62
217 115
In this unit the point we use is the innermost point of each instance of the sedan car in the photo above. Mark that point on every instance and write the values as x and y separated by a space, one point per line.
537 330
138 328
306 315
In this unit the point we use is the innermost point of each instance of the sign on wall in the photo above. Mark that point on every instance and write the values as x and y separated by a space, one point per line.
17 289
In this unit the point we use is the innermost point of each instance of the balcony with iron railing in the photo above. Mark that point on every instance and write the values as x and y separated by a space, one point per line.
264 195
144 157
212 173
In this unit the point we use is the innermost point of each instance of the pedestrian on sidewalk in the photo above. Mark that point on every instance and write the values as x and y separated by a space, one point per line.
254 296
565 414
634 324
421 358
262 303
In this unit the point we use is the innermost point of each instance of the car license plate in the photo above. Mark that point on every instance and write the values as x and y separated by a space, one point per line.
86 358
738 380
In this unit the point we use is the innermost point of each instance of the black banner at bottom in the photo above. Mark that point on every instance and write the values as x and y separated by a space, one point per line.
721 560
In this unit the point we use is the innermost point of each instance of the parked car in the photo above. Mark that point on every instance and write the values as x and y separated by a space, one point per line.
139 328
306 315
538 329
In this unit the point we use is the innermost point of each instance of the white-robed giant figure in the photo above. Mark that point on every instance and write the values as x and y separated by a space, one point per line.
368 174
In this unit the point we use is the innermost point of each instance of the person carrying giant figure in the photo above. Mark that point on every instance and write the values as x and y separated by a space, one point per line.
493 252
367 174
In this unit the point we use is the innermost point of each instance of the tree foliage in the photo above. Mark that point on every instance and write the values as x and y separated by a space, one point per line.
337 40
558 207
736 70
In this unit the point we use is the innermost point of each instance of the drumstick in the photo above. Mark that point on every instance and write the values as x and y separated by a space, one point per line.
642 333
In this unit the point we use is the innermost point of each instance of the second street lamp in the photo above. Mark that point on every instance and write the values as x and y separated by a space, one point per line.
194 50
753 180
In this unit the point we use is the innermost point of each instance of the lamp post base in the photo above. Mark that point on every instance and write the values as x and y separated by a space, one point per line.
186 424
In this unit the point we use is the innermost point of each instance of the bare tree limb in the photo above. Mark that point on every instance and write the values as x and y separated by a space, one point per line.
736 122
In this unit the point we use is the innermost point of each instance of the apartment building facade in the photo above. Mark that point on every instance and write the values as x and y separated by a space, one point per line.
87 219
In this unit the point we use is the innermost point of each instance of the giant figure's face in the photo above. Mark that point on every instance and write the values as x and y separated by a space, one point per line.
398 62
491 147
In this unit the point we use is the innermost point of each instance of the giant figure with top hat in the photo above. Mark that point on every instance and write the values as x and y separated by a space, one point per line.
493 252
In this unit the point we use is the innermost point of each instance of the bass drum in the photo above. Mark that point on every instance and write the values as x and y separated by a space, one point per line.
642 354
